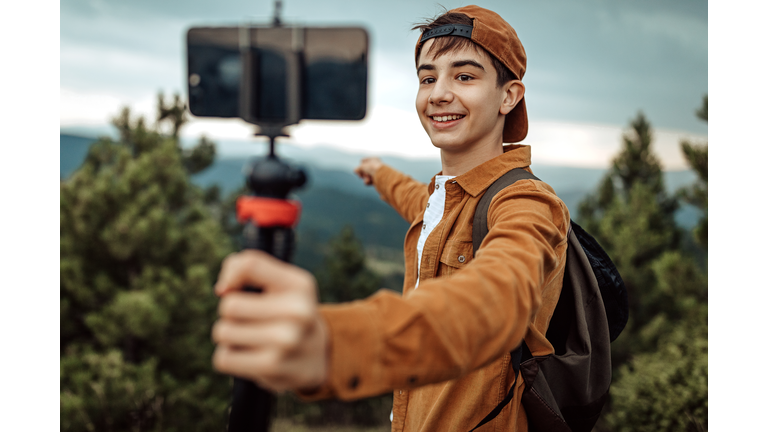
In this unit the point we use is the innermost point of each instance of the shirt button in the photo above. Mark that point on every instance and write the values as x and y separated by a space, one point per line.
354 382
401 392
461 258
437 186
423 227
427 205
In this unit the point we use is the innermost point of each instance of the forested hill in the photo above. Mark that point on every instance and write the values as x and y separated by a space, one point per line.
330 173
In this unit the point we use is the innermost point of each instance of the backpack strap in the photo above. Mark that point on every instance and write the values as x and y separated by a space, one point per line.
516 366
480 222
479 231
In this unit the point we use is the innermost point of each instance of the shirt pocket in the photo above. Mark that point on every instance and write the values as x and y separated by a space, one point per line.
456 255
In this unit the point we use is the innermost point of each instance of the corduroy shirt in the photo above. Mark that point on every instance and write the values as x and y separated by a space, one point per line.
444 347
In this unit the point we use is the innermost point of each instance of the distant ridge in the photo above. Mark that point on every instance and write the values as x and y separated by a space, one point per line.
331 169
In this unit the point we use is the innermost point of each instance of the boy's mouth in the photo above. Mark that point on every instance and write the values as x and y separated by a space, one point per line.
446 118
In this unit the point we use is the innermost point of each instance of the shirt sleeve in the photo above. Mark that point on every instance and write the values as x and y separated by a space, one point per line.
452 325
407 196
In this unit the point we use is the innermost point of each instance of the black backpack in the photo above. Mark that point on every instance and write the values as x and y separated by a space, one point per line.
566 391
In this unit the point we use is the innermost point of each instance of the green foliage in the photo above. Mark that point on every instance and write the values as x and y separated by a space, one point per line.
665 390
200 156
364 412
697 157
632 217
660 360
175 113
345 277
637 163
635 175
139 254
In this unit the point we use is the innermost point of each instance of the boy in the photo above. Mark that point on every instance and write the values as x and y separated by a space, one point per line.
443 346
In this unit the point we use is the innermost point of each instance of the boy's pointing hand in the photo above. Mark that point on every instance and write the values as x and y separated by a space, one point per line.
276 338
367 168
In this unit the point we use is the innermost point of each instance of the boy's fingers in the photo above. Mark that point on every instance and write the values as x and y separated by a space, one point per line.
261 270
245 363
254 336
254 307
267 367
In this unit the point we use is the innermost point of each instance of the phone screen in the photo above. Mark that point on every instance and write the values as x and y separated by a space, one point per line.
253 83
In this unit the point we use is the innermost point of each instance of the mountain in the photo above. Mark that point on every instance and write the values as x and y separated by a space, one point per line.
334 196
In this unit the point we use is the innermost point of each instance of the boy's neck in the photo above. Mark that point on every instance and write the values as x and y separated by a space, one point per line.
456 164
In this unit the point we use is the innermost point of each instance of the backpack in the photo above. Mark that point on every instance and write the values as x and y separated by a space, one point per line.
565 391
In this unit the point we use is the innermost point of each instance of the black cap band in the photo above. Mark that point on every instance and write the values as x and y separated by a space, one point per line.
448 30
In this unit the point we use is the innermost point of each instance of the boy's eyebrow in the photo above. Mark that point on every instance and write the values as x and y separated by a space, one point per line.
456 64
460 63
425 67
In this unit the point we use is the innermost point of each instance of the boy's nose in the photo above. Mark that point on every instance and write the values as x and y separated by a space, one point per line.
441 93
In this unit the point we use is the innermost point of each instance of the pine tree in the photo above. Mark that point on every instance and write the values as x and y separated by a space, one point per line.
660 360
345 276
632 217
696 155
139 255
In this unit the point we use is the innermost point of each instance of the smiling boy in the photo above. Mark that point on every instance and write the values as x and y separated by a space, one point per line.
443 345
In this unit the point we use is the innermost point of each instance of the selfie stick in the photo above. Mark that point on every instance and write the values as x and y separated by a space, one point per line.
269 218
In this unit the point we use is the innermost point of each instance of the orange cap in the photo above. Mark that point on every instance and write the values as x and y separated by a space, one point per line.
496 36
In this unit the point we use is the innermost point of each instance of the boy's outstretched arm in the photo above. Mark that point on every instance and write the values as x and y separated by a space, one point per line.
276 338
407 196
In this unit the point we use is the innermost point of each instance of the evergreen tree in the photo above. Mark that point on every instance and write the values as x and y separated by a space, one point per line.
665 390
345 277
632 217
139 254
660 360
696 155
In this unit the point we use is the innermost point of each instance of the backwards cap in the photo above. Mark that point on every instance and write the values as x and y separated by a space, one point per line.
496 36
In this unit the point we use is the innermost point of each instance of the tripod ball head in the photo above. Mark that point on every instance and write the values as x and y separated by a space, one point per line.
272 178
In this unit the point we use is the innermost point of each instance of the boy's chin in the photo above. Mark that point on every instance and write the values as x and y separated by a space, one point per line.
449 146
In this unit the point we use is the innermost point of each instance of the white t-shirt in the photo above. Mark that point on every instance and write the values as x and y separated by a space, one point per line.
433 214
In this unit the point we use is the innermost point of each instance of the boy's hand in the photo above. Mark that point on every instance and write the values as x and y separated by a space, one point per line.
276 338
368 167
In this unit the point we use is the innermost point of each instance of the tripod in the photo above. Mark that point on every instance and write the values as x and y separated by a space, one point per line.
269 219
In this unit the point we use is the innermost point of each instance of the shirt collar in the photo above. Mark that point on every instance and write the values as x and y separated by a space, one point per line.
482 176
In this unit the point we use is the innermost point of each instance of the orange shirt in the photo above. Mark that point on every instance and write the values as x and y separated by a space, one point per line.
444 347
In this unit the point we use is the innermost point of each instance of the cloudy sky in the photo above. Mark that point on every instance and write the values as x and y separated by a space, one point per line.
592 65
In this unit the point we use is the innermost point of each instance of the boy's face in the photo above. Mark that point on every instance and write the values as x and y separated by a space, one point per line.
458 102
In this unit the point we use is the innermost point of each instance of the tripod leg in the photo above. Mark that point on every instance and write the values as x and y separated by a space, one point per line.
251 407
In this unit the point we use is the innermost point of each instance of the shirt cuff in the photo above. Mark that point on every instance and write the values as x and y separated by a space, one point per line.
354 364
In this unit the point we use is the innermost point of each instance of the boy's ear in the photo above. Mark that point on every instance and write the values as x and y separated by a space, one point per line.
513 92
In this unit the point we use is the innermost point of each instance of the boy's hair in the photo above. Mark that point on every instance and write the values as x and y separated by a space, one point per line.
481 28
446 44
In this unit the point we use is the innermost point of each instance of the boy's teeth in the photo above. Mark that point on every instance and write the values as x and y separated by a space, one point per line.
446 118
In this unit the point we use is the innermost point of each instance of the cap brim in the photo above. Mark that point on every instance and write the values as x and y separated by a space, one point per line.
516 124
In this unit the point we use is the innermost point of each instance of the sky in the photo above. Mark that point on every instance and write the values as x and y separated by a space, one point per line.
592 66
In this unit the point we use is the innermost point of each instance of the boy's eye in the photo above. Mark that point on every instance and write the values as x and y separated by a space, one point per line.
464 78
428 80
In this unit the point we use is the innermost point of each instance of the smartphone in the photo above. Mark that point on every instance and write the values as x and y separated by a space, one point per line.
278 74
